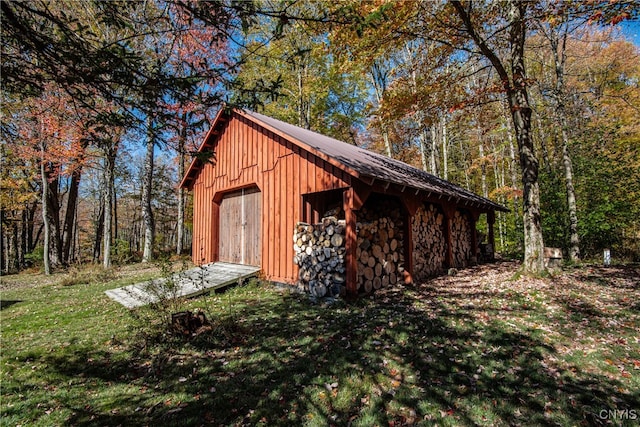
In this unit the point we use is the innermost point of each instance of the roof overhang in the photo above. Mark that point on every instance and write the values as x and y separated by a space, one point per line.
222 117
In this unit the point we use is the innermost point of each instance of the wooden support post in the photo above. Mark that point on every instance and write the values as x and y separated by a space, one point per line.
316 214
306 210
361 193
449 211
411 206
408 248
473 219
491 219
351 243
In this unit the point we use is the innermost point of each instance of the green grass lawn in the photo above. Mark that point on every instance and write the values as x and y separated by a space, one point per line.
473 349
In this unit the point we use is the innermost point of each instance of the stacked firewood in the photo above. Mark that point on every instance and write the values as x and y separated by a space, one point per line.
319 252
320 248
430 246
461 239
380 249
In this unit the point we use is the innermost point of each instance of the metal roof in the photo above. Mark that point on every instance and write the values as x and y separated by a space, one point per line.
373 165
365 164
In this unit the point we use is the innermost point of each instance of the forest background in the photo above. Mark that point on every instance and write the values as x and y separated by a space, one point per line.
535 105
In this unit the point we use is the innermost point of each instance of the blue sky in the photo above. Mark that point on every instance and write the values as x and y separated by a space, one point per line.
631 29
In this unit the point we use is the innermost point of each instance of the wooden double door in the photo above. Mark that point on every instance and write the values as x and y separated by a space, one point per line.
240 231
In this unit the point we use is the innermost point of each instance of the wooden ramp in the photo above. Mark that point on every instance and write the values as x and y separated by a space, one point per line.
189 283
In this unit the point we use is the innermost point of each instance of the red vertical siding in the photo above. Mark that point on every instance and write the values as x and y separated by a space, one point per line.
276 195
248 155
293 208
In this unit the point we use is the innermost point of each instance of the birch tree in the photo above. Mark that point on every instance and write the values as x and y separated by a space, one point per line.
556 32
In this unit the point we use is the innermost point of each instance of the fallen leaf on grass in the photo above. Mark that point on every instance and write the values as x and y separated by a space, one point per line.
446 413
331 386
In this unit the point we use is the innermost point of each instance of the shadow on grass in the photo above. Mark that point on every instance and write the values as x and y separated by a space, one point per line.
597 299
619 276
582 309
8 303
390 361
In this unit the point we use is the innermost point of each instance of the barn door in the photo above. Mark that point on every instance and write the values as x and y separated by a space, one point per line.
240 231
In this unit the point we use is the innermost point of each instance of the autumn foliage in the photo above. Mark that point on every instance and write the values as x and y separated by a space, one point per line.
84 88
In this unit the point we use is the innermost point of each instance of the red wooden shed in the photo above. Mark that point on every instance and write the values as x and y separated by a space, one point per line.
267 176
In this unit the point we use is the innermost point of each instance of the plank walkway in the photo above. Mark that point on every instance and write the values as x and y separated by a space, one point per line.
190 283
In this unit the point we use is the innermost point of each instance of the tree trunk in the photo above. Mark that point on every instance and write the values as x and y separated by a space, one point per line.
181 196
533 241
516 91
53 211
434 149
109 167
445 149
483 170
546 160
147 212
180 226
513 169
300 99
116 231
45 213
70 215
574 248
521 114
423 149
3 269
75 252
16 247
107 223
465 168
423 130
379 78
23 237
6 249
498 184
387 142
99 229
32 239
559 53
